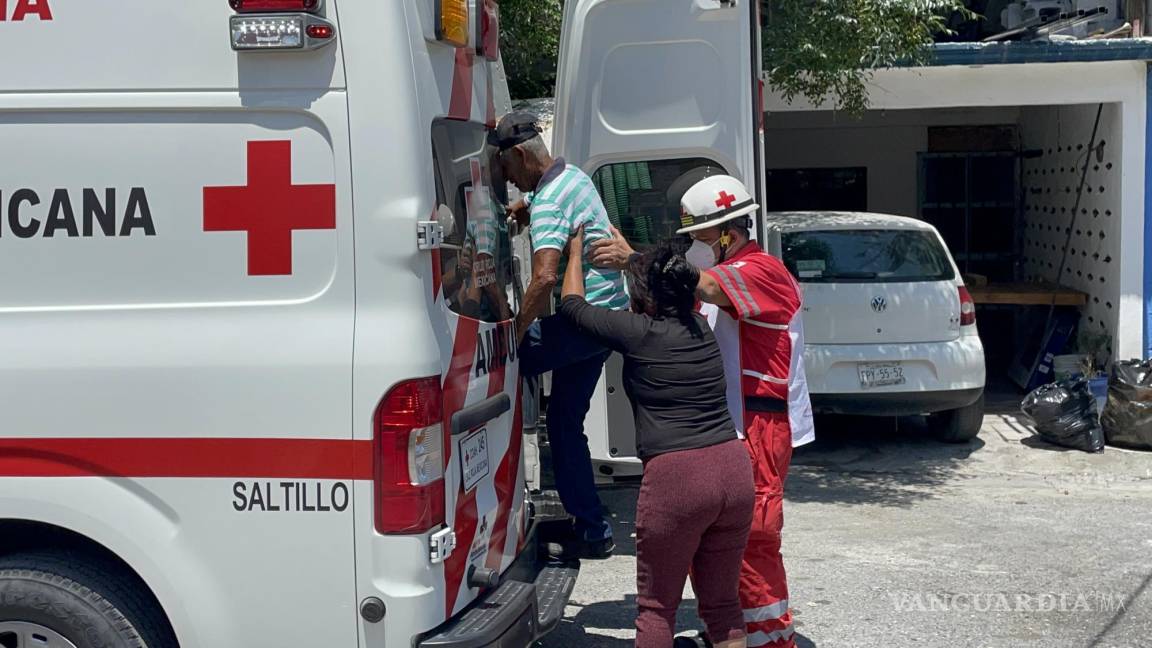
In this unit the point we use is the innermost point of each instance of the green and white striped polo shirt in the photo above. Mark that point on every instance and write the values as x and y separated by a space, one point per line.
565 200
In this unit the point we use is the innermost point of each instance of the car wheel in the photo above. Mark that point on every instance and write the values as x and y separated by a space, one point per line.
959 425
68 600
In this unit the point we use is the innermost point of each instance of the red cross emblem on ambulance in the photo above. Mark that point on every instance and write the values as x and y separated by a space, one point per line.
270 208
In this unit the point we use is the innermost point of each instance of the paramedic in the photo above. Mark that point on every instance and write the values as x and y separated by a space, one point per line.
561 199
762 341
697 494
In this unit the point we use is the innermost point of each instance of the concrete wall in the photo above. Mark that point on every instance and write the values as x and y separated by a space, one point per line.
886 142
1062 135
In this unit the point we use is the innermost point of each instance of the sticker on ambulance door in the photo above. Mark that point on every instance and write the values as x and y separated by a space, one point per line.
474 458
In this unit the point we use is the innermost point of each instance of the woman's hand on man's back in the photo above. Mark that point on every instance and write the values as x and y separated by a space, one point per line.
612 253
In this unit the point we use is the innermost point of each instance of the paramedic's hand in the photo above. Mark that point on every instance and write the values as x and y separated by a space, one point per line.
612 253
518 213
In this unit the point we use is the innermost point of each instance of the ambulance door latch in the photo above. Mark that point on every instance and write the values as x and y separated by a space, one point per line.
441 544
429 235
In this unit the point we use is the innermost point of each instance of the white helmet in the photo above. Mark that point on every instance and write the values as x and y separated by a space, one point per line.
714 200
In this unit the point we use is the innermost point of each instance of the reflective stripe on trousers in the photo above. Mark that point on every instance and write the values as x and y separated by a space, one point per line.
766 612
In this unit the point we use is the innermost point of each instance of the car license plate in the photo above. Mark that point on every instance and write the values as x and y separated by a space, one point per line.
474 458
880 374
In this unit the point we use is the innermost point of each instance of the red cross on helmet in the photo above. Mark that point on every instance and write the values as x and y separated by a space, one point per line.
714 200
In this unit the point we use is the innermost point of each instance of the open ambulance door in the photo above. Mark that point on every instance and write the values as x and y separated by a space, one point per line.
648 94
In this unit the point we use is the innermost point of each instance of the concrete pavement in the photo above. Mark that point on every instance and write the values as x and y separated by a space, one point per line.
893 539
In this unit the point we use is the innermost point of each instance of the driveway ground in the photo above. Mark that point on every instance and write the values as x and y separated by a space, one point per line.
893 539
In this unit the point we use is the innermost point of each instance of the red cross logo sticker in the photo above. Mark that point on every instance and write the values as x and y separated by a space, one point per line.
269 208
725 200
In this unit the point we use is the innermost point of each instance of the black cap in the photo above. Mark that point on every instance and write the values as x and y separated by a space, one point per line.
514 128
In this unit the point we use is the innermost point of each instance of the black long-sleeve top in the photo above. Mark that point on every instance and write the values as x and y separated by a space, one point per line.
673 374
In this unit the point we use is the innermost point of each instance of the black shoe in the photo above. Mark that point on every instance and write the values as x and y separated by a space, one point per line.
691 642
598 550
573 549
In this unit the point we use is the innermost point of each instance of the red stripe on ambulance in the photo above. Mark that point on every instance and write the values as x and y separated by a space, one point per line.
456 383
506 486
461 106
186 457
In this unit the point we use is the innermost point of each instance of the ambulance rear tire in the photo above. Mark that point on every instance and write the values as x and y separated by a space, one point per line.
48 596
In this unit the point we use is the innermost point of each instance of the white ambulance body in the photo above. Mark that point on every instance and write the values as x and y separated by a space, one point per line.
249 396
648 94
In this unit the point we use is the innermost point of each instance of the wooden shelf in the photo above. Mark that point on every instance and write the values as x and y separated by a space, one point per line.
1027 294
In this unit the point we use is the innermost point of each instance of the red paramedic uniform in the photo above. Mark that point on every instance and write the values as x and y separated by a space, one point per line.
762 342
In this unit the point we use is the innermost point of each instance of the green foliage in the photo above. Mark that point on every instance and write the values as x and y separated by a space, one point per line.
825 50
530 43
822 50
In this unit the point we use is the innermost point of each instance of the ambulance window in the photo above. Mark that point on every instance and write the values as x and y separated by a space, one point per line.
476 254
643 198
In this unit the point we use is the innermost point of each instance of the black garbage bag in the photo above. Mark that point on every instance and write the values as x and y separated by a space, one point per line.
1127 418
1064 413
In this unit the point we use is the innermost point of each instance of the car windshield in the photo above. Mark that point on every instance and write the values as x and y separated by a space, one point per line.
866 256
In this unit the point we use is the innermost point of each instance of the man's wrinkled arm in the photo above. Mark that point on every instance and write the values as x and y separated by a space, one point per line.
545 266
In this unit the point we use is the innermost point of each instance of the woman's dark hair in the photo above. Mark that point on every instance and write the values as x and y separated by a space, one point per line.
663 283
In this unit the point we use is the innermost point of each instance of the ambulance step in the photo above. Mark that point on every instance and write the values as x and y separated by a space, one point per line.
503 615
514 614
547 506
554 586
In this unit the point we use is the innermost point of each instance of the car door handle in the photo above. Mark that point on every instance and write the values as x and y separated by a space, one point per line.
474 416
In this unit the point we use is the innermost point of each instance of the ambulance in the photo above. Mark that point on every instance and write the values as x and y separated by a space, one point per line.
259 383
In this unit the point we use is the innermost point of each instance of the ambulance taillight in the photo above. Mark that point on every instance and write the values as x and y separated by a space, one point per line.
409 458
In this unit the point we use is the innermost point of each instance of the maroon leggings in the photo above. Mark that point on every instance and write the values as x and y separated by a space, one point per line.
694 513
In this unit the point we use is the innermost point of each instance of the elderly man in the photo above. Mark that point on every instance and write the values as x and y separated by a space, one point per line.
560 199
761 338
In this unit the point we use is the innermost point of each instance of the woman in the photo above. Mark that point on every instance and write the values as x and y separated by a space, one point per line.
697 494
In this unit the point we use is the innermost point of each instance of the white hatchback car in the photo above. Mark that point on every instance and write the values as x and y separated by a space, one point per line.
890 329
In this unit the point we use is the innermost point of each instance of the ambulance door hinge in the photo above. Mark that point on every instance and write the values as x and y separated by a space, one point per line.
429 235
441 544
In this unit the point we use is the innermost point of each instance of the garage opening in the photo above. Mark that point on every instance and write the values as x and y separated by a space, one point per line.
1003 187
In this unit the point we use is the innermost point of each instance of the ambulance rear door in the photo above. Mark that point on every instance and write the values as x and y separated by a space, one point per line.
648 93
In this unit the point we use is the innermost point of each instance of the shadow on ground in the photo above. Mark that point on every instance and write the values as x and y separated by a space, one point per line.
599 625
854 460
868 460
